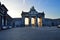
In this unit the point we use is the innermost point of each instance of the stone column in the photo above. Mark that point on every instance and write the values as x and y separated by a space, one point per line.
6 21
29 21
2 20
36 22
23 21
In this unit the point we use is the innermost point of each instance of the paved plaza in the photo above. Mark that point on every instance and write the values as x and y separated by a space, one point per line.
31 33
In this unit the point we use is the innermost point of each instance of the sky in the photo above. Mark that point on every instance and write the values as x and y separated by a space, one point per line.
51 8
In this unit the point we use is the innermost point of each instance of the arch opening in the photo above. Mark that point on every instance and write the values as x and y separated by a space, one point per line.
39 21
33 20
26 21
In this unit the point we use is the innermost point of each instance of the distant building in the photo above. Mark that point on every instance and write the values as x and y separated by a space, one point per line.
17 22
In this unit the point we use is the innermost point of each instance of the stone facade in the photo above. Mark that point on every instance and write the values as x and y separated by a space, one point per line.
4 17
9 20
44 21
17 22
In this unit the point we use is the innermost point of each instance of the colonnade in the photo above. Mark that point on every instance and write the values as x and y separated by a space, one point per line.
33 21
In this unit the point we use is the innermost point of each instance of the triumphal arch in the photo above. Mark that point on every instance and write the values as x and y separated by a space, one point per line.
32 18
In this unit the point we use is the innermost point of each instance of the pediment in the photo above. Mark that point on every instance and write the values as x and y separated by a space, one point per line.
32 10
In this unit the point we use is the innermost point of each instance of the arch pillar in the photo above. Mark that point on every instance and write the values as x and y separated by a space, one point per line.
36 22
29 21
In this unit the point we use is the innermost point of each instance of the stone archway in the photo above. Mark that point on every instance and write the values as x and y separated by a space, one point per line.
26 21
33 21
40 22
